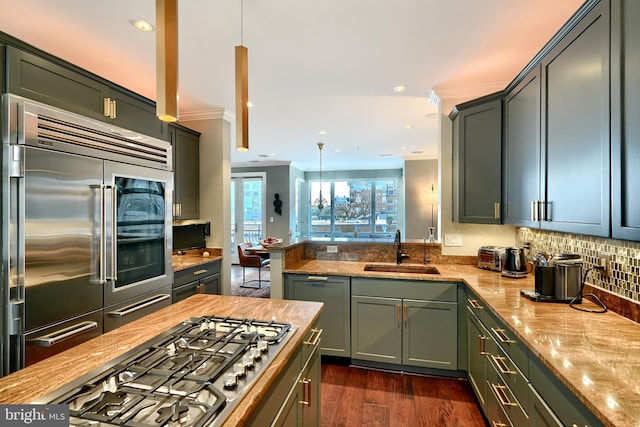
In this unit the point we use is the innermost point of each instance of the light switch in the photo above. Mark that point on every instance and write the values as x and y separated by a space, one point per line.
453 239
270 219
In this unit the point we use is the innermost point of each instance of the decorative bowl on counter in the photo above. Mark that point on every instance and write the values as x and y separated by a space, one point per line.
270 241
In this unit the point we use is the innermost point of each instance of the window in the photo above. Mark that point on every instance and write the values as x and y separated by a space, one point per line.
354 208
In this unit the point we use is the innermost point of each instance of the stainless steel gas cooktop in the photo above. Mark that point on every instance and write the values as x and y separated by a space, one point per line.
191 375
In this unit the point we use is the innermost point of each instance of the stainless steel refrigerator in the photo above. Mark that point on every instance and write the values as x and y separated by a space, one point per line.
86 228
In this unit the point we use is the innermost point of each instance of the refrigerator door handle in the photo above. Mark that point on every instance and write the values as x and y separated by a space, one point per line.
113 246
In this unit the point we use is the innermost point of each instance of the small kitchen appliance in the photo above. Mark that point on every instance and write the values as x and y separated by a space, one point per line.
557 280
491 258
194 374
515 263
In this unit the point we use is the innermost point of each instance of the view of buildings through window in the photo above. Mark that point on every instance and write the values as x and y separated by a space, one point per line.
358 207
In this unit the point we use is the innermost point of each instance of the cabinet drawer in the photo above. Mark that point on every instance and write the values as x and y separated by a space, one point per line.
411 289
511 345
120 314
511 377
182 277
506 400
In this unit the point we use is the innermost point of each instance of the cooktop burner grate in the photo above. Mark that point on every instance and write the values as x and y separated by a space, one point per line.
191 375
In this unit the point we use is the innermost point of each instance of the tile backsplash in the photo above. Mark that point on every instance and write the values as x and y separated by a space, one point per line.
624 256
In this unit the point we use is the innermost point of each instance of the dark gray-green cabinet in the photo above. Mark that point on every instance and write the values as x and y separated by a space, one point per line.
335 319
477 161
403 322
186 172
625 126
575 129
521 152
56 83
294 397
200 279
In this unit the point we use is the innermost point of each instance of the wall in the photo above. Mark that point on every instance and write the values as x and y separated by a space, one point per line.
277 182
420 202
473 235
297 220
215 181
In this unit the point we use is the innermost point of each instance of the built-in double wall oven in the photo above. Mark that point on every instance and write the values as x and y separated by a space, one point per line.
86 229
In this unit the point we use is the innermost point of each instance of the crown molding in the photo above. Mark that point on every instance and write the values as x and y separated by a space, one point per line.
469 92
212 114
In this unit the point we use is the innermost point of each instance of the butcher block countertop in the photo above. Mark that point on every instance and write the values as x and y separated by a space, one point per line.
26 385
597 356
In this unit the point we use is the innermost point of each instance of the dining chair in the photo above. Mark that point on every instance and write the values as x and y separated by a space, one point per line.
249 260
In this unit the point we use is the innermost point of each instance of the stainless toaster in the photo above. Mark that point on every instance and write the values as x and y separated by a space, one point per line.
491 257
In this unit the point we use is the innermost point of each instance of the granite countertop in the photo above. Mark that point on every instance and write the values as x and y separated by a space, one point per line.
44 377
595 355
194 257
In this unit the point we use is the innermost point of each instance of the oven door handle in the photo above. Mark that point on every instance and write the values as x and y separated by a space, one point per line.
63 334
125 311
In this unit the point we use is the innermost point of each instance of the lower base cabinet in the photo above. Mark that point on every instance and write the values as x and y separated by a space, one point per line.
335 319
200 279
403 322
294 397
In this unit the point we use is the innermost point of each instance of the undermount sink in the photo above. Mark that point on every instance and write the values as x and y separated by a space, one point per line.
402 268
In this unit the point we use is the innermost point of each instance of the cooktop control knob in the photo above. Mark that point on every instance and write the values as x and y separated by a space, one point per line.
248 362
240 369
230 380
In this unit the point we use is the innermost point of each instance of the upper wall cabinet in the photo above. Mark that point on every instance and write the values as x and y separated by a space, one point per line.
52 83
625 126
575 129
477 147
186 172
521 164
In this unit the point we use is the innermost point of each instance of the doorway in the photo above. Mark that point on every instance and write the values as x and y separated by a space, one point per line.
248 213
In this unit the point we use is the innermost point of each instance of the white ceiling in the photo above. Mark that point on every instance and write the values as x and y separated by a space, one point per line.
314 65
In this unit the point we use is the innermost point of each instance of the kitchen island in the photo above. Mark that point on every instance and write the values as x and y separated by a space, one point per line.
28 384
594 355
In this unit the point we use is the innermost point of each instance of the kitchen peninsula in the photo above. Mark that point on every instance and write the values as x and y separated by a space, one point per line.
28 384
595 356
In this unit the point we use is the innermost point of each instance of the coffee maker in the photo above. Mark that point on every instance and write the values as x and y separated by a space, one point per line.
557 278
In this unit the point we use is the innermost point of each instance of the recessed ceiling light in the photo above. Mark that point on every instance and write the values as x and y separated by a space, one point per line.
263 155
385 155
399 89
322 132
404 147
417 152
142 25
338 151
408 126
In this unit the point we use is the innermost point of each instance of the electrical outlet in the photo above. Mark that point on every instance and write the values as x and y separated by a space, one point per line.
332 249
453 239
603 260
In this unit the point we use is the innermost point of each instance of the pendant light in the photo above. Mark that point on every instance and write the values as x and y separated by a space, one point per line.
167 60
242 90
320 201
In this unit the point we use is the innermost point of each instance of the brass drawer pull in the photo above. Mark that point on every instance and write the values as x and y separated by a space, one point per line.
314 338
498 424
318 278
502 336
482 346
199 272
502 365
474 304
502 395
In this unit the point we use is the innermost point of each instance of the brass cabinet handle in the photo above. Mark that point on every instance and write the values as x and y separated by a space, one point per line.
314 338
502 365
496 210
482 346
502 336
306 392
199 272
406 315
502 395
474 304
318 278
498 424
398 315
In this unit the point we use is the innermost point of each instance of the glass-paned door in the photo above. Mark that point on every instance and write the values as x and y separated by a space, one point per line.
248 200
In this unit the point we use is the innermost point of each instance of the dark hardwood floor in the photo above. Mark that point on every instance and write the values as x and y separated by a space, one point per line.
353 397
